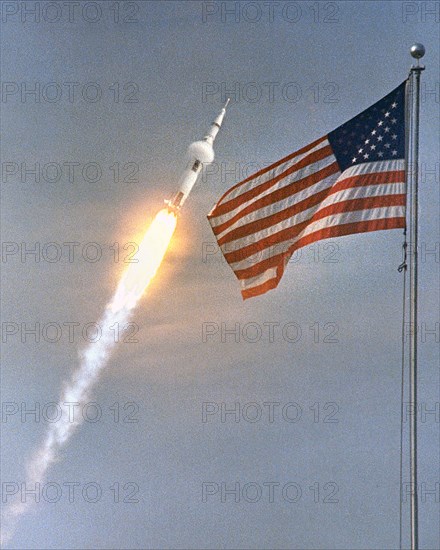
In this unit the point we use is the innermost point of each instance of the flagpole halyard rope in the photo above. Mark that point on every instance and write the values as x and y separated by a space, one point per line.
402 267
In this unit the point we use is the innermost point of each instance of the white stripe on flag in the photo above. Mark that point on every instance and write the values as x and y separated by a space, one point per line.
351 193
329 221
270 174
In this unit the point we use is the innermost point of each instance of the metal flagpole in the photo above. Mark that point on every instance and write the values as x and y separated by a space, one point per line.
417 51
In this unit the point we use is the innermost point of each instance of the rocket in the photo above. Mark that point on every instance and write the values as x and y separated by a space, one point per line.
199 153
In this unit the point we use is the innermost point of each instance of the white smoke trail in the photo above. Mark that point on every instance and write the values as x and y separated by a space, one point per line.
76 392
93 360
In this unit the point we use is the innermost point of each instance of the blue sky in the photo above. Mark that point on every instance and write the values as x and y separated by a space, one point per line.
326 62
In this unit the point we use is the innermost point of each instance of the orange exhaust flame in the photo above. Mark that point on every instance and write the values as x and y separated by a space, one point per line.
151 251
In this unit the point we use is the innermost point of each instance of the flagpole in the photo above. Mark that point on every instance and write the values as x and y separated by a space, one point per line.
417 51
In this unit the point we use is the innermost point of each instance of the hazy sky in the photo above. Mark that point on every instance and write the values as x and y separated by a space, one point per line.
122 88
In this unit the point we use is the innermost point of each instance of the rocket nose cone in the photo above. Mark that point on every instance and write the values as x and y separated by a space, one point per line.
202 151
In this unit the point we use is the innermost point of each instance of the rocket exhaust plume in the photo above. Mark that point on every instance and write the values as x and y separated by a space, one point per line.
130 289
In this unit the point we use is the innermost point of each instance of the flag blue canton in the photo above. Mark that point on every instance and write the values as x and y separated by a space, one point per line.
376 134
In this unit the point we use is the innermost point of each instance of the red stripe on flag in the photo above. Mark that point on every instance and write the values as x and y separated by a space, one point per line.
225 207
260 289
278 195
328 232
258 269
374 178
273 166
294 230
262 223
349 229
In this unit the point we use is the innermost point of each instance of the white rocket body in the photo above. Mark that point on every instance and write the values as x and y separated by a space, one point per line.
199 154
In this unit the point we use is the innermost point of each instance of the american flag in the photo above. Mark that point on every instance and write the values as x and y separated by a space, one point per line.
352 180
